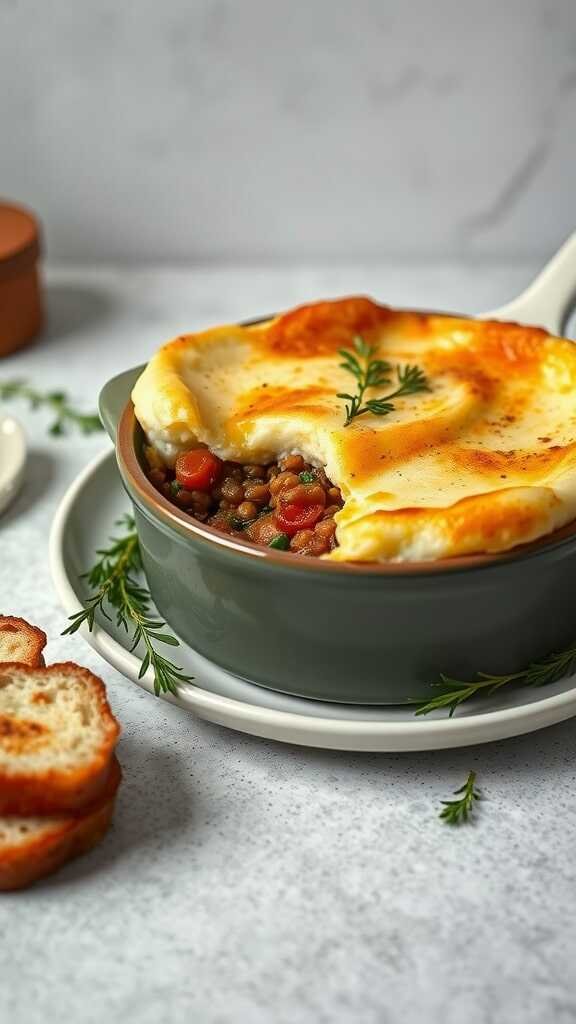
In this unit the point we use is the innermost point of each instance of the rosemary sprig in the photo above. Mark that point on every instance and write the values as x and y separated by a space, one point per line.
65 415
538 673
112 578
376 373
455 812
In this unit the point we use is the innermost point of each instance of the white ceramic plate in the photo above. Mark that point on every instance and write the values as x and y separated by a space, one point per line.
12 459
84 522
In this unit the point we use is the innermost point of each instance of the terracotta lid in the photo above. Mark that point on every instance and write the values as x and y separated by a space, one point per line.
19 239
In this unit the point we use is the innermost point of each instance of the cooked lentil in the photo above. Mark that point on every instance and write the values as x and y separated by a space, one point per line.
246 501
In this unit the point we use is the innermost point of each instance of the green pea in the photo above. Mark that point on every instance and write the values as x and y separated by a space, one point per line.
281 542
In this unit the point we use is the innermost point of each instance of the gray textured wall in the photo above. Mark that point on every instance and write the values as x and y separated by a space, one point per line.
191 129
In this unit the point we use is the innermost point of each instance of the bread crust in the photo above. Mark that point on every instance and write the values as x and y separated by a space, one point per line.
60 791
61 839
35 639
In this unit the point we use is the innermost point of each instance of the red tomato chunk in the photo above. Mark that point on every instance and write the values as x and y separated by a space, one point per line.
198 470
291 517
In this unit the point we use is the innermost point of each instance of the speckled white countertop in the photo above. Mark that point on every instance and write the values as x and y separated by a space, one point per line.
246 881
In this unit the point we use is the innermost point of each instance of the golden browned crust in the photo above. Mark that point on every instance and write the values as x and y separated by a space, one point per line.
52 845
59 791
487 456
33 638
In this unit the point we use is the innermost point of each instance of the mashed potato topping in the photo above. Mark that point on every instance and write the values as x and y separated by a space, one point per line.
484 461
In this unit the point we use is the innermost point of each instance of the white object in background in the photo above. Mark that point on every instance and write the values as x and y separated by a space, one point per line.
12 459
548 300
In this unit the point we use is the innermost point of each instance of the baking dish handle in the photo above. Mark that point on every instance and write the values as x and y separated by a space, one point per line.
113 399
547 302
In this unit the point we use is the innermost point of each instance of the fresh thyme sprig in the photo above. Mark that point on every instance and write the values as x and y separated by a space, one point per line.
549 670
455 812
58 403
112 578
376 373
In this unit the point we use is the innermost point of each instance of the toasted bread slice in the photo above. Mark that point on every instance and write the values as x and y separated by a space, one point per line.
31 848
57 737
21 642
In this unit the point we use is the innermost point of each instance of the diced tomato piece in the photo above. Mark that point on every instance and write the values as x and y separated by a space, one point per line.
291 517
198 469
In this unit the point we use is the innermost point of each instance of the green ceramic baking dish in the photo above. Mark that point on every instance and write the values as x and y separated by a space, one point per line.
369 634
355 633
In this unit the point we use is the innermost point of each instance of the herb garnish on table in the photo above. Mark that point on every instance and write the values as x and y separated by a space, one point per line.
113 579
376 373
57 402
456 812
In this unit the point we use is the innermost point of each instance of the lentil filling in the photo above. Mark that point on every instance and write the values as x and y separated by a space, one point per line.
288 505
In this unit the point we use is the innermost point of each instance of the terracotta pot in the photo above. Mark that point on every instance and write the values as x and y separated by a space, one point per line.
21 314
